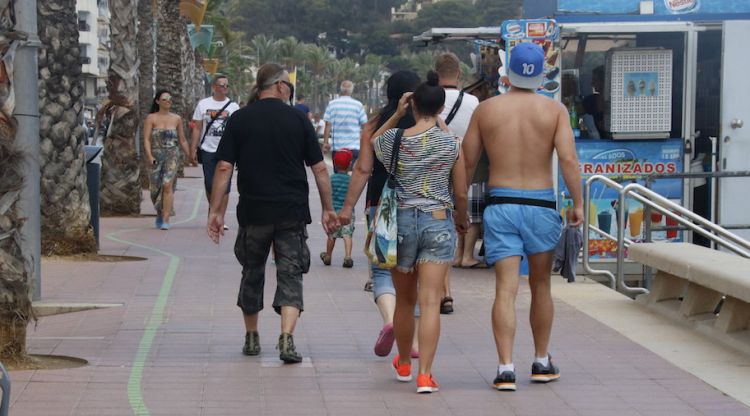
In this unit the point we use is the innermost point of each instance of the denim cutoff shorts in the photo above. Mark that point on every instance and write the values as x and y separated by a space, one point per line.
423 238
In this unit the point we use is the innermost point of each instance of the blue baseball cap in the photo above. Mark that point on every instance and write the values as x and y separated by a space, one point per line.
526 66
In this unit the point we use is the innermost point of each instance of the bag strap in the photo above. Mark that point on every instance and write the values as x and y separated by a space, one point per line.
455 108
394 156
214 118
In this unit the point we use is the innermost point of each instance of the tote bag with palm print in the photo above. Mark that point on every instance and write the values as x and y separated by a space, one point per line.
382 240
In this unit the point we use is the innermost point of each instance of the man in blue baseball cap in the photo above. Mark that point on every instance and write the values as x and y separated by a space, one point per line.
526 66
520 131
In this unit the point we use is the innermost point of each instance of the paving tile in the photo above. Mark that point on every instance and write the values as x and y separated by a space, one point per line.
194 364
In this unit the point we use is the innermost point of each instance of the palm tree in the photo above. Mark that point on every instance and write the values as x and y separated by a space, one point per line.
146 50
291 52
317 61
15 299
422 62
121 190
264 49
65 210
234 55
169 54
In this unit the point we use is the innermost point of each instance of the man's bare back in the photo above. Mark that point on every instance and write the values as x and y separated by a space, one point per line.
520 130
517 129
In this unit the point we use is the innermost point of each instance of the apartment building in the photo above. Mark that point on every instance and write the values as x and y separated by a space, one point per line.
93 41
409 10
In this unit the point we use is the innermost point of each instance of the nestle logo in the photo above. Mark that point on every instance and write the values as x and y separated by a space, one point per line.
681 5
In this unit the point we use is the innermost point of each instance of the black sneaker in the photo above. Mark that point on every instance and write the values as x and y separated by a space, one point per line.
252 343
542 374
287 352
506 381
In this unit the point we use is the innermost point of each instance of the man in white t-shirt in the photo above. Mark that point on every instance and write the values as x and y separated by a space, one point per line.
456 113
210 116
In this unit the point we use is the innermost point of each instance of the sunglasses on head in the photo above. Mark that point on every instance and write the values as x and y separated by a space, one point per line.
291 88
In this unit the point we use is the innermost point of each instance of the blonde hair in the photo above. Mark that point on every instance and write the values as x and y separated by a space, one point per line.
447 65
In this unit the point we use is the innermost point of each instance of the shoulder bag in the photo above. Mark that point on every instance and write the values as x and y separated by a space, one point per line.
455 108
208 126
382 241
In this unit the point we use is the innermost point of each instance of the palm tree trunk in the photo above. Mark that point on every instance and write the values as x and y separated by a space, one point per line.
169 55
15 299
146 72
171 58
65 209
121 190
188 98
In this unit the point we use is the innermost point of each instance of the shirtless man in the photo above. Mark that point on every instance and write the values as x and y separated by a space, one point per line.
520 130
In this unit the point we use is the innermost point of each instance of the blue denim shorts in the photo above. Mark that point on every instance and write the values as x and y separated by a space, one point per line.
520 230
424 238
209 162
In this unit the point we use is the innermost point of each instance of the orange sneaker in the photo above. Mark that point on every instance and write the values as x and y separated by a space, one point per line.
403 371
426 384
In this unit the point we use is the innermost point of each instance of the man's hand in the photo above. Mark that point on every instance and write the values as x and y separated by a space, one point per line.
326 147
330 221
215 227
345 215
194 157
577 217
462 222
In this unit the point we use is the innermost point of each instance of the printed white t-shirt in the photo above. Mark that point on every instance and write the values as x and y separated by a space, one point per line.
204 112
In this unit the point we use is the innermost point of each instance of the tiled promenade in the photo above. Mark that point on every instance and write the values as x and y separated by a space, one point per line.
173 347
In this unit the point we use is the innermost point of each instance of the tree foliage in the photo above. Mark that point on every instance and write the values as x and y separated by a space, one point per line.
332 40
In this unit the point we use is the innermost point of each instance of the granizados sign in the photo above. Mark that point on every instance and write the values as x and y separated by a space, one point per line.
682 6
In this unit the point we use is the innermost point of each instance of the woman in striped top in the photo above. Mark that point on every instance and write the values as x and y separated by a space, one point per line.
431 192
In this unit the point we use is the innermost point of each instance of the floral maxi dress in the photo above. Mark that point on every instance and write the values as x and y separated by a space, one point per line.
166 152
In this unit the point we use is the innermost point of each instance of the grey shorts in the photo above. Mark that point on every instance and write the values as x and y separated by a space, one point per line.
477 202
292 258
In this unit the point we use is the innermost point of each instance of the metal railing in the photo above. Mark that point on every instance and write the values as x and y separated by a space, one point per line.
652 200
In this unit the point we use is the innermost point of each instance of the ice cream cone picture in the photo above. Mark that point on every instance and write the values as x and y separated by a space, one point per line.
552 58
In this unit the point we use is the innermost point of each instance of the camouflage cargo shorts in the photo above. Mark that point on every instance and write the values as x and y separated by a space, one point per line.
292 257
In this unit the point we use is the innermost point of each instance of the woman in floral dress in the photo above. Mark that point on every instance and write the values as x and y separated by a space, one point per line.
162 133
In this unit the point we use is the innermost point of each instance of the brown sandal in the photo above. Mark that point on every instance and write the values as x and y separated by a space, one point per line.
326 258
446 305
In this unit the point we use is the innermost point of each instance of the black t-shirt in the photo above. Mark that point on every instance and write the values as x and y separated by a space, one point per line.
270 142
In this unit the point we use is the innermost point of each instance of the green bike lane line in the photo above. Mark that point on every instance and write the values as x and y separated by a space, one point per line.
135 395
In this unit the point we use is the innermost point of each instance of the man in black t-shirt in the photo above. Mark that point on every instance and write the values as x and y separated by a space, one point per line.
271 142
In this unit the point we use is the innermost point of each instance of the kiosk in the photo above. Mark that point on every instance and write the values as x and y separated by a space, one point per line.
653 87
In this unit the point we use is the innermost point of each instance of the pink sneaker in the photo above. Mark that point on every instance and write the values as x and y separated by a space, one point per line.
384 344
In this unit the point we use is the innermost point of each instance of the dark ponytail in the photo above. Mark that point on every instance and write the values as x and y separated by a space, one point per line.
396 85
429 96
